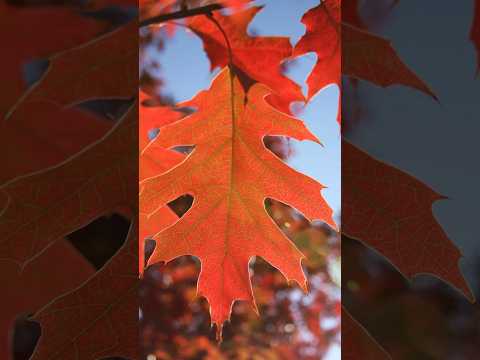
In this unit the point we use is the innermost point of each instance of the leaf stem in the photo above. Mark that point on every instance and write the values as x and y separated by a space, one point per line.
229 47
181 14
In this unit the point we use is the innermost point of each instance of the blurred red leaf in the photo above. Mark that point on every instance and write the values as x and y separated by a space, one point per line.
357 343
391 212
26 290
105 68
369 57
98 319
25 30
49 132
38 209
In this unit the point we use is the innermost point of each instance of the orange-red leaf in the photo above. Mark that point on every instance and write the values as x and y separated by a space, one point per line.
364 55
230 173
235 4
153 118
391 211
322 36
157 159
258 57
150 226
154 161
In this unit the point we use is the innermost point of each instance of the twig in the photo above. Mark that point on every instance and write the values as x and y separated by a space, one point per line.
204 10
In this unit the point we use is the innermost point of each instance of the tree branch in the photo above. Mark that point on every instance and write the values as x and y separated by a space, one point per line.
204 10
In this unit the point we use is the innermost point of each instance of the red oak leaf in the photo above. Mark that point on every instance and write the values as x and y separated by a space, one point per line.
391 211
38 124
154 160
98 319
372 58
72 184
230 173
235 4
322 36
20 28
38 209
259 57
42 134
26 290
105 68
364 55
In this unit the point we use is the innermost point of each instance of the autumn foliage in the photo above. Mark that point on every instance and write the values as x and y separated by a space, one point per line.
218 226
365 56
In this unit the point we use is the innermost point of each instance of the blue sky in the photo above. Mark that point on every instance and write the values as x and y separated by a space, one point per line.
186 70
